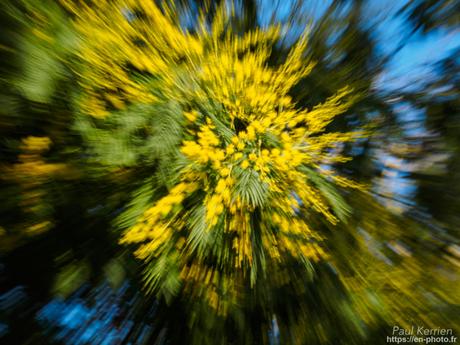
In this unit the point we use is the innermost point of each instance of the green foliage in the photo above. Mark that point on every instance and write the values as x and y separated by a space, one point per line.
140 133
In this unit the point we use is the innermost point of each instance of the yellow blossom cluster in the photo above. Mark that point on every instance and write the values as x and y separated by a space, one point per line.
246 141
221 289
31 173
157 223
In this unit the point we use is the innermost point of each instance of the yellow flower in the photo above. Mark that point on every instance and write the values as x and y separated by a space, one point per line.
276 152
214 208
38 144
225 172
237 156
191 115
251 133
245 164
230 149
242 135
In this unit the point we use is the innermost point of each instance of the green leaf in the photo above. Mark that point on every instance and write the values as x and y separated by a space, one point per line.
250 188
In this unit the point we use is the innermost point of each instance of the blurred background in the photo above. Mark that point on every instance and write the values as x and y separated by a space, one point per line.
66 189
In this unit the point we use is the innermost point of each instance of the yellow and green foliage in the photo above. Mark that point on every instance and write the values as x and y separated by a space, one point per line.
221 155
240 192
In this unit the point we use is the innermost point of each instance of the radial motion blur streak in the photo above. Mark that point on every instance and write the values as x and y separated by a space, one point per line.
229 172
